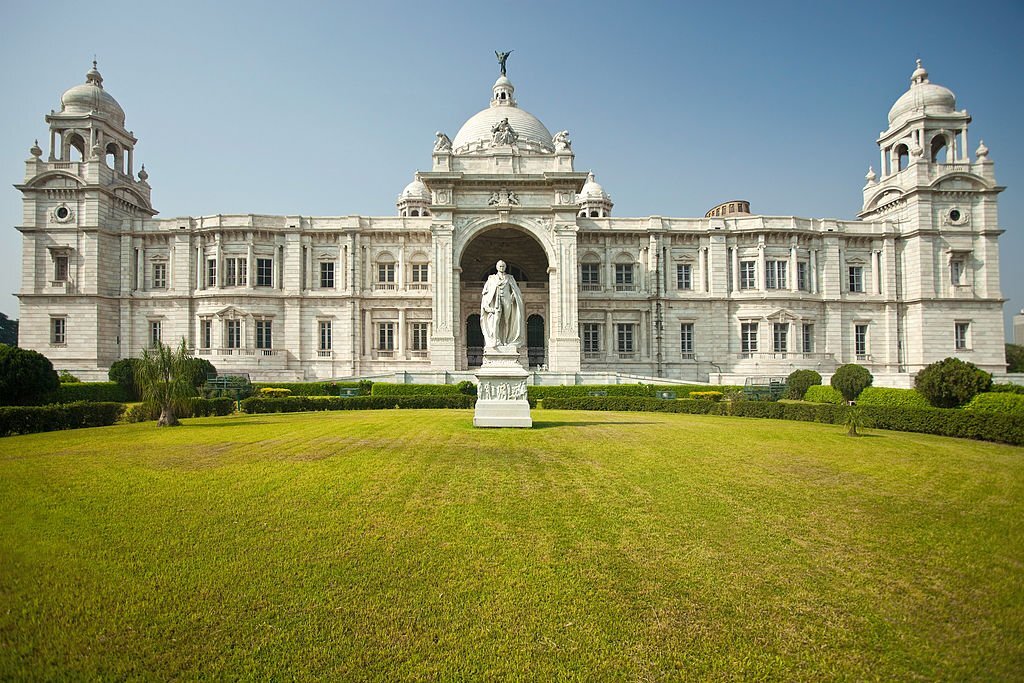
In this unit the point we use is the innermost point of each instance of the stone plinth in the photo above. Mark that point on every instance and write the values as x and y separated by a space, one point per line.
501 391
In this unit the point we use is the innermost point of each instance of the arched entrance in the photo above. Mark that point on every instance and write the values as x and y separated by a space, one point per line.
527 262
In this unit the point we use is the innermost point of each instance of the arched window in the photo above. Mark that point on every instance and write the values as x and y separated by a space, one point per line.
74 148
414 212
902 157
594 213
938 146
113 156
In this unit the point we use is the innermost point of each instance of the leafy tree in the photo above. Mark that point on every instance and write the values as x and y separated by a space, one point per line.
123 372
201 370
26 377
1014 358
851 379
951 382
164 376
8 331
799 381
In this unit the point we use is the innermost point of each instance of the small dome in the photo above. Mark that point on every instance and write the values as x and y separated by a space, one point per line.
90 96
415 191
592 191
923 97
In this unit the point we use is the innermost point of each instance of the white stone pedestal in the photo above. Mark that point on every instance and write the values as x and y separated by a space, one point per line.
501 390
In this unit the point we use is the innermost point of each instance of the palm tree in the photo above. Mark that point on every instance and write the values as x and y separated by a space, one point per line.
164 377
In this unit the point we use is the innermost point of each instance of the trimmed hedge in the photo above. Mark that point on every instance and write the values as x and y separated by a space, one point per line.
296 404
198 407
965 424
824 394
1007 388
51 418
387 389
315 388
648 390
102 392
997 402
706 395
892 398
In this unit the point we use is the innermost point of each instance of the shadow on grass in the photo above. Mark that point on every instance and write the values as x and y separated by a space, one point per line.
232 423
584 423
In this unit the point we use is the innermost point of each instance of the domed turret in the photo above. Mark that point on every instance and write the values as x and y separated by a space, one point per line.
415 199
924 97
594 202
91 97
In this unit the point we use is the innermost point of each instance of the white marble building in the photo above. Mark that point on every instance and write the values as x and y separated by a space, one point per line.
731 294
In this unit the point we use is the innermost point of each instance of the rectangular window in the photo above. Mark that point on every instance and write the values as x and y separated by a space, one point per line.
60 268
960 338
58 331
856 279
624 277
420 273
624 337
684 276
686 339
780 337
590 275
802 282
206 334
748 279
956 271
775 275
591 338
860 341
264 272
386 273
154 333
325 335
748 337
327 275
235 272
807 338
264 334
233 333
419 336
159 276
386 336
211 272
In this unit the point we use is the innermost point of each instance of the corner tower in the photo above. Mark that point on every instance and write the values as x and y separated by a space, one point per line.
79 205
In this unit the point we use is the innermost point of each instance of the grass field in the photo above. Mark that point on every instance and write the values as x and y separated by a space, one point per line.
405 544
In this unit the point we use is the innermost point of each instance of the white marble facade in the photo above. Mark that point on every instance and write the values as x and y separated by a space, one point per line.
915 279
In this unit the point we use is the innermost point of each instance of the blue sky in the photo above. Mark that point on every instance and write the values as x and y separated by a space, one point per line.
328 109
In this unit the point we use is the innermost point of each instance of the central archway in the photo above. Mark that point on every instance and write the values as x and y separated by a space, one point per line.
527 262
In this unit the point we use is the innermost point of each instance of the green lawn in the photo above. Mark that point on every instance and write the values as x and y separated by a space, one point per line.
406 544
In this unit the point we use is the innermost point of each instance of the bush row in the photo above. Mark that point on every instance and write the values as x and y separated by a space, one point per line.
997 402
892 398
823 394
295 404
315 388
648 390
998 427
198 407
103 392
32 419
387 389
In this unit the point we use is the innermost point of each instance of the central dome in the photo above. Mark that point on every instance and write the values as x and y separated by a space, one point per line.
476 133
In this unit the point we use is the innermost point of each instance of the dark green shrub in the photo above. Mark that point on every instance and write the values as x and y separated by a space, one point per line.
102 392
951 382
387 389
1007 388
64 377
893 398
26 377
997 402
823 394
295 404
851 379
316 388
799 381
32 419
202 369
204 407
466 387
123 372
1014 358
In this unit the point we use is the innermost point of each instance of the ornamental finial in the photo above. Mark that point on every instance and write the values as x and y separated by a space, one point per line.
502 58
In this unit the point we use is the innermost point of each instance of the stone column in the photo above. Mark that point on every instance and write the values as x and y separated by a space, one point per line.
445 298
812 266
609 336
760 264
793 283
400 335
563 307
250 265
735 269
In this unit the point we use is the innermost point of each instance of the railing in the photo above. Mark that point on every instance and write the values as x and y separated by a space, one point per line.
419 285
688 356
593 355
624 287
783 355
388 286
380 353
591 287
627 355
233 351
935 170
864 357
323 353
419 354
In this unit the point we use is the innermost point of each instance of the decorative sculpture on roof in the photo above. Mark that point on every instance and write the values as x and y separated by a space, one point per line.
562 141
501 310
443 142
502 133
502 58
